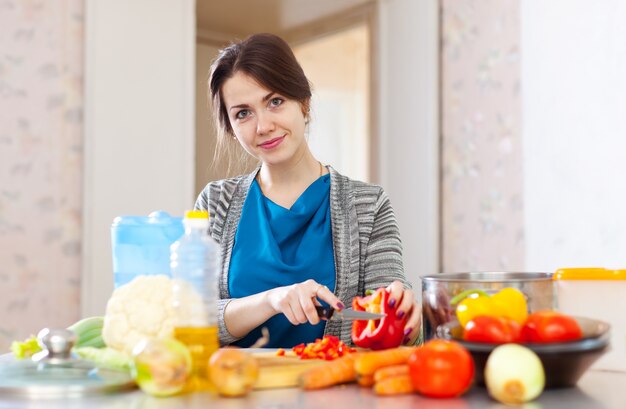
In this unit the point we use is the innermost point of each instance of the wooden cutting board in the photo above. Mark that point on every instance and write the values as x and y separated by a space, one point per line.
282 371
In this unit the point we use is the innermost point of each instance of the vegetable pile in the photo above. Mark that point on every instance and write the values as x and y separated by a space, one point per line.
513 372
139 314
503 318
438 369
508 303
445 368
140 319
328 348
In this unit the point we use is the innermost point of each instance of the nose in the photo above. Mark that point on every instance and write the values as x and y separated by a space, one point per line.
265 124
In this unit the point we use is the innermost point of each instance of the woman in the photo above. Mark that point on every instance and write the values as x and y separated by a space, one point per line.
294 233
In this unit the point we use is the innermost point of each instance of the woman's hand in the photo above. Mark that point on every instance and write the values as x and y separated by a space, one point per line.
297 302
407 306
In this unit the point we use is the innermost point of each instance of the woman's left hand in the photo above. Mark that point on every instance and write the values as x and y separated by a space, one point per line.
404 298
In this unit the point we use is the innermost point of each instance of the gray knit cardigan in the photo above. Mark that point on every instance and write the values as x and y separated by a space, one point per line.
366 239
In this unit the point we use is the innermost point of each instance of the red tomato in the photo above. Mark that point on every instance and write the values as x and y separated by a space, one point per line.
441 369
497 330
550 326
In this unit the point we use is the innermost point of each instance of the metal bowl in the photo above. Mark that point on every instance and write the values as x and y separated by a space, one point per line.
439 289
563 362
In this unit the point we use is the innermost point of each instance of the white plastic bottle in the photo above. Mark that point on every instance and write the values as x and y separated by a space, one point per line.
195 263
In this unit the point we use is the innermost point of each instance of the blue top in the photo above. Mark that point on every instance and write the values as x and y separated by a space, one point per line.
276 247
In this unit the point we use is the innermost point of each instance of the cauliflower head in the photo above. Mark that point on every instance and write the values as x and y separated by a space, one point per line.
144 308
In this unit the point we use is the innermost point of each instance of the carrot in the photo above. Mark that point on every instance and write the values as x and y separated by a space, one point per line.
395 385
390 371
366 381
368 362
341 370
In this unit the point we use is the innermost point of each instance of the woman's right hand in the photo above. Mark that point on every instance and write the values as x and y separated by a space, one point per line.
297 302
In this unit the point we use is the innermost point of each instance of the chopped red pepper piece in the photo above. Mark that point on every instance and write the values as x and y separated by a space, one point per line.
329 347
384 333
280 352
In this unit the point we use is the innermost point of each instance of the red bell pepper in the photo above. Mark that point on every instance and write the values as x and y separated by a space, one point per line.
384 333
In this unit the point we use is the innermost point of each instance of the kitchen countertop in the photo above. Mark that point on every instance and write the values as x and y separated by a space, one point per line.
596 389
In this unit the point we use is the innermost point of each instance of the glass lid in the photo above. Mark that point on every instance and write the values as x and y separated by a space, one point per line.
56 372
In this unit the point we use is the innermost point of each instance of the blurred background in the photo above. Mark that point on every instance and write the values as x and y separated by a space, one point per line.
497 128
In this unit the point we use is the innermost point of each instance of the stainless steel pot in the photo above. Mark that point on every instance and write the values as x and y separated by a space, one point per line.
439 289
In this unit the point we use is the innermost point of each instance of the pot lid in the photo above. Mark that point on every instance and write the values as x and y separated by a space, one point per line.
57 373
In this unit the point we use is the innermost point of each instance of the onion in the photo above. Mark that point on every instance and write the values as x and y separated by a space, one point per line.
233 371
161 366
514 374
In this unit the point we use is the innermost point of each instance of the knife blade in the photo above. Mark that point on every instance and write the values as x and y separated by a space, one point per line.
346 314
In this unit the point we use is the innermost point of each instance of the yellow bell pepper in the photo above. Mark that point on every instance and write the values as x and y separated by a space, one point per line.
508 302
511 303
472 306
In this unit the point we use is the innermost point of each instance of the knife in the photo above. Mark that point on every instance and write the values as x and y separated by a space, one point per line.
327 313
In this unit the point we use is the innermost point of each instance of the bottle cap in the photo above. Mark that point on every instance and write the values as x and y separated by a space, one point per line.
196 214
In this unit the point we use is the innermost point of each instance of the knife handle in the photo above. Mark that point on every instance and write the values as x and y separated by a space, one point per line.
324 313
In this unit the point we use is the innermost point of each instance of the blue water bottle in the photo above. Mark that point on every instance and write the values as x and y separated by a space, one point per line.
141 245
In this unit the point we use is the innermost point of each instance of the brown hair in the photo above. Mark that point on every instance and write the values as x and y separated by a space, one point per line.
269 60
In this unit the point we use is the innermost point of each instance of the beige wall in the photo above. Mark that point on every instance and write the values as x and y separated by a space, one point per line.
139 124
407 94
41 154
574 133
205 126
482 185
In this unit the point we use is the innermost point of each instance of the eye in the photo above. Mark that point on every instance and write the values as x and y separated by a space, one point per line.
242 114
275 102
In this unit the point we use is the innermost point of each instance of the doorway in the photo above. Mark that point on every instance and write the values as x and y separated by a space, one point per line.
338 67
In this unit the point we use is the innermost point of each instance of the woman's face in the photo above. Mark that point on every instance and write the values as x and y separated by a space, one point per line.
269 126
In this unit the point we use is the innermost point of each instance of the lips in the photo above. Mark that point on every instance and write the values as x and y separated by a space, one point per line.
272 143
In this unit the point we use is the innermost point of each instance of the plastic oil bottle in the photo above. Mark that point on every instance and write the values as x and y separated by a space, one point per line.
195 262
